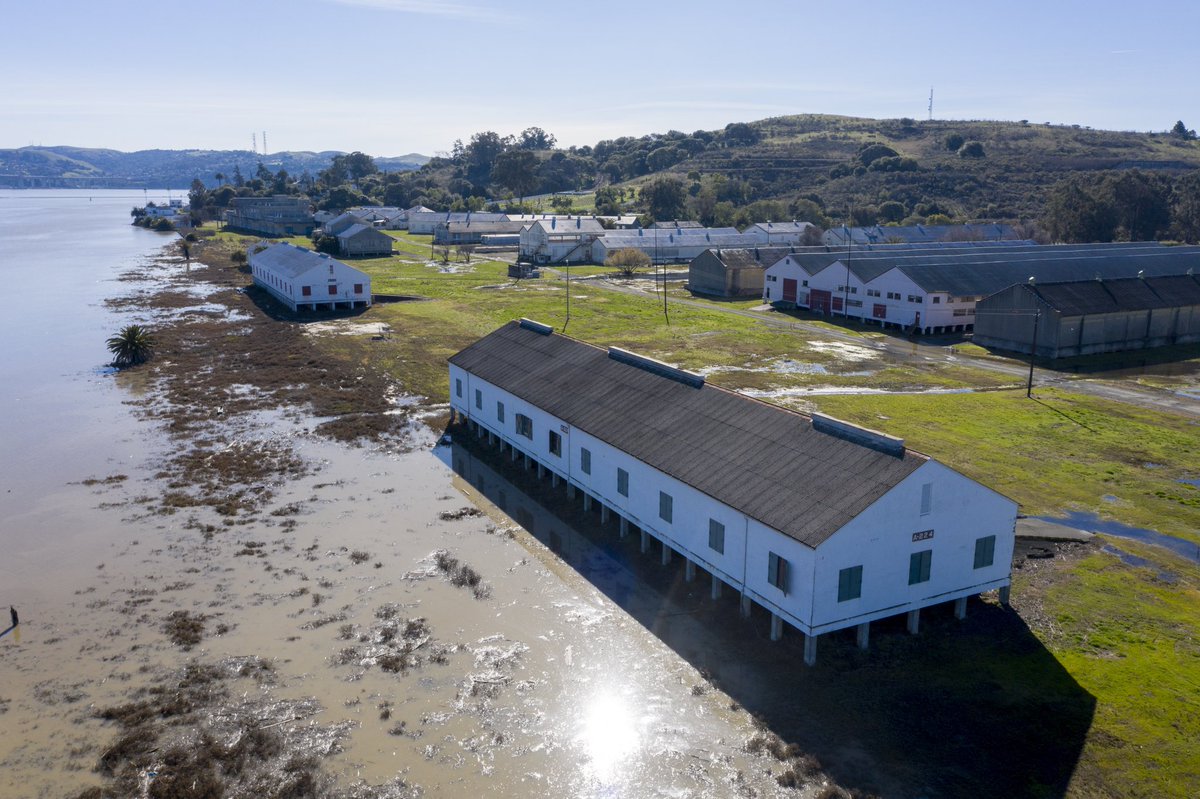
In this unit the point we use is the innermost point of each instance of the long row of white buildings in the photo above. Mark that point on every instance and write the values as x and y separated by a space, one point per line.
936 289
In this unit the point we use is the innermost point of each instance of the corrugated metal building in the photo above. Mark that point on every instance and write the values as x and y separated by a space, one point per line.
732 273
826 524
362 240
917 234
1089 316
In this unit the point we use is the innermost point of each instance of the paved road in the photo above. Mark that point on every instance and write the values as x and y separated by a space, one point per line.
912 351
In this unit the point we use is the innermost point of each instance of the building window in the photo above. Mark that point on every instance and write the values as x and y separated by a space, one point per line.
358 288
622 482
500 412
333 289
935 299
524 426
555 444
716 536
926 499
854 303
985 551
585 460
850 583
918 566
804 283
479 399
893 295
306 291
872 292
914 298
777 572
666 506
458 387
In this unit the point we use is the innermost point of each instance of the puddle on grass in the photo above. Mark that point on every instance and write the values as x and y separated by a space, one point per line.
1190 481
1091 523
804 391
1134 560
844 351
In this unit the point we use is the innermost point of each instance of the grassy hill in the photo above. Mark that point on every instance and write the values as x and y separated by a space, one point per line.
816 156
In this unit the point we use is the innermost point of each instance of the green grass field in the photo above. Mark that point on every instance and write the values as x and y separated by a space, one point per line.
1125 634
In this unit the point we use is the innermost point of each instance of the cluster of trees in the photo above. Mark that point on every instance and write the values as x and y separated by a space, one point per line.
1130 205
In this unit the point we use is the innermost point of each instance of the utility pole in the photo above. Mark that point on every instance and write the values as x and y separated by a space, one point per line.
846 288
567 267
1037 317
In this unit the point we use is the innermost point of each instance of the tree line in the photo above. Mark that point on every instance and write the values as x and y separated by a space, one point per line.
1129 205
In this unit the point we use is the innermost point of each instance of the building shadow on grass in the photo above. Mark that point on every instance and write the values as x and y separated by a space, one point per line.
975 708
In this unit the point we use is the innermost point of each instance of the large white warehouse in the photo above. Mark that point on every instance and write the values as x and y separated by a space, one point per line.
825 524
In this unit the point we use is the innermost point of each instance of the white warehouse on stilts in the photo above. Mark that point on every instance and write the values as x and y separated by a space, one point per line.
825 524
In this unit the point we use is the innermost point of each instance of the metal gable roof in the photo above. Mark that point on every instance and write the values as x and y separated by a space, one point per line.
288 260
1083 297
765 461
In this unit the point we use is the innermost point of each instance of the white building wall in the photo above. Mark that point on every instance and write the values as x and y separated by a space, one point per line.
880 539
773 278
794 603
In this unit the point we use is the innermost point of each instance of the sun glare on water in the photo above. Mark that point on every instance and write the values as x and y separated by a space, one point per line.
608 736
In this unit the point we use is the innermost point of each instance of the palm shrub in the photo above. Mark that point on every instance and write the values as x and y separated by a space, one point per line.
134 344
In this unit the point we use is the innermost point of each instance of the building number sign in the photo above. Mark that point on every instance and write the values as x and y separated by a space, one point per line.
924 535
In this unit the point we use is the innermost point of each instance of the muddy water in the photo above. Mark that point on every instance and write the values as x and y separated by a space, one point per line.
550 682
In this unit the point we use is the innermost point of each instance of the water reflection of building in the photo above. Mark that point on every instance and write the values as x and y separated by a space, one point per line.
602 568
825 524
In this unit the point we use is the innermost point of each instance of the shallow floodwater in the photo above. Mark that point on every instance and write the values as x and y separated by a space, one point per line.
550 683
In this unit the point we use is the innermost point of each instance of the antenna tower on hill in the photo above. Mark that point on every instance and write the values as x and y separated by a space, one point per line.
254 143
930 103
265 150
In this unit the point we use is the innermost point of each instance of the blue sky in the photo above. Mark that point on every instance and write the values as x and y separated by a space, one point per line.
390 77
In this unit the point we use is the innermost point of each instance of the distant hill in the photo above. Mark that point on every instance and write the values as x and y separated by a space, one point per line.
82 166
845 164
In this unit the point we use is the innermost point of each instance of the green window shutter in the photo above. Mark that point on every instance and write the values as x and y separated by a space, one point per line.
850 583
985 551
918 566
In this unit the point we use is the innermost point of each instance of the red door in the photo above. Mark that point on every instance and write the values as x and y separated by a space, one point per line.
880 311
789 290
820 301
837 303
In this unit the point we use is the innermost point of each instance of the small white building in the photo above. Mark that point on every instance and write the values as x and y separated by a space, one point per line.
400 220
672 245
783 234
825 524
305 280
559 240
424 222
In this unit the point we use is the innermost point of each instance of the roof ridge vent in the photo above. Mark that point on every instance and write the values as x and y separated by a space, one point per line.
855 434
536 327
656 367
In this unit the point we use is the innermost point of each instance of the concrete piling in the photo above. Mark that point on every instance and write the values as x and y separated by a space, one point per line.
914 621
